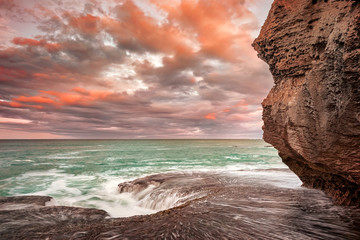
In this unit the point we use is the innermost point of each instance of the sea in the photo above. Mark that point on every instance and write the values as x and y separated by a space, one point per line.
141 177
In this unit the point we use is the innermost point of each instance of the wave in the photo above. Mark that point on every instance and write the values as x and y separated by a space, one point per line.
163 191
200 205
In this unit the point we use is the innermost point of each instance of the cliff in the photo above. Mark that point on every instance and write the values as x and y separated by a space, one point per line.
312 113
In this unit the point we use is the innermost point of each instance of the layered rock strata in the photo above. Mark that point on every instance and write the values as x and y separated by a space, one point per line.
312 114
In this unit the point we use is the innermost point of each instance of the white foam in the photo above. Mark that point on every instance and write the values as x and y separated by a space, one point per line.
67 155
165 200
122 205
248 166
232 157
101 190
106 197
26 160
72 190
58 187
278 177
16 206
51 172
51 203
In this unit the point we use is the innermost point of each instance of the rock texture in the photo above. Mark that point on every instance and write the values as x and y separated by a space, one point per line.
312 114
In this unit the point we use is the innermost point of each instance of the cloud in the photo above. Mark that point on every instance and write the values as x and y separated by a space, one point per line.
132 69
211 116
50 47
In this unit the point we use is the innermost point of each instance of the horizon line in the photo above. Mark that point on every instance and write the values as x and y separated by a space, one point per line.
6 139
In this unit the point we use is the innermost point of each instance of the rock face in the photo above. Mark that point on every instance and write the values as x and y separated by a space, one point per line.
312 114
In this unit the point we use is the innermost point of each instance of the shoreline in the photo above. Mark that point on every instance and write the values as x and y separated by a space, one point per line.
232 204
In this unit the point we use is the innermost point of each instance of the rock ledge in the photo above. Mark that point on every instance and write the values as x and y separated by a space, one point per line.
312 114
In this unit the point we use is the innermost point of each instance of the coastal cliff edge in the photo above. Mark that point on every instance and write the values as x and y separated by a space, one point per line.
312 113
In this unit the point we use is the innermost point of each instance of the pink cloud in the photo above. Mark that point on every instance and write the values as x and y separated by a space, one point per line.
51 47
185 69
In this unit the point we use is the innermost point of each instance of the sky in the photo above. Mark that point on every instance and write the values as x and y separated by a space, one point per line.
120 69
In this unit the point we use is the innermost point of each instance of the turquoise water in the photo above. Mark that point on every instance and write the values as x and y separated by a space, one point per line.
86 172
233 189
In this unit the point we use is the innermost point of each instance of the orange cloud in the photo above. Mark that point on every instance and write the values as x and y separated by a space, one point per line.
241 104
87 24
8 73
26 41
20 105
190 24
50 47
234 117
211 116
77 97
34 99
41 75
80 90
14 104
212 22
134 29
65 98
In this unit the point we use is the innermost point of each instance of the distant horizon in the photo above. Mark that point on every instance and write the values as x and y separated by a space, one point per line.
60 139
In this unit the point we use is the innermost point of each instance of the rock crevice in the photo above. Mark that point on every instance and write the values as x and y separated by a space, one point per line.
312 114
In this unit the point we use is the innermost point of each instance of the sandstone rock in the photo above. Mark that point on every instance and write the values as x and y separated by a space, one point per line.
312 114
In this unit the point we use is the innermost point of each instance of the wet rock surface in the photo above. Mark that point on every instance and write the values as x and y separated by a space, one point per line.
312 114
22 202
236 205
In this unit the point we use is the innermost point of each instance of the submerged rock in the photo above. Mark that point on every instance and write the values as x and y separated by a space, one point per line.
23 202
33 218
312 114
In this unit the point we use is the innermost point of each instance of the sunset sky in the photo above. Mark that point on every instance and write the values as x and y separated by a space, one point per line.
131 69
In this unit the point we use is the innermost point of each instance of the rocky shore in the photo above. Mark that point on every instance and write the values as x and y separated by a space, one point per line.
241 205
312 114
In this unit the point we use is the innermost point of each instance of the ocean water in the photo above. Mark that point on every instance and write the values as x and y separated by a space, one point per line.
86 173
214 189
